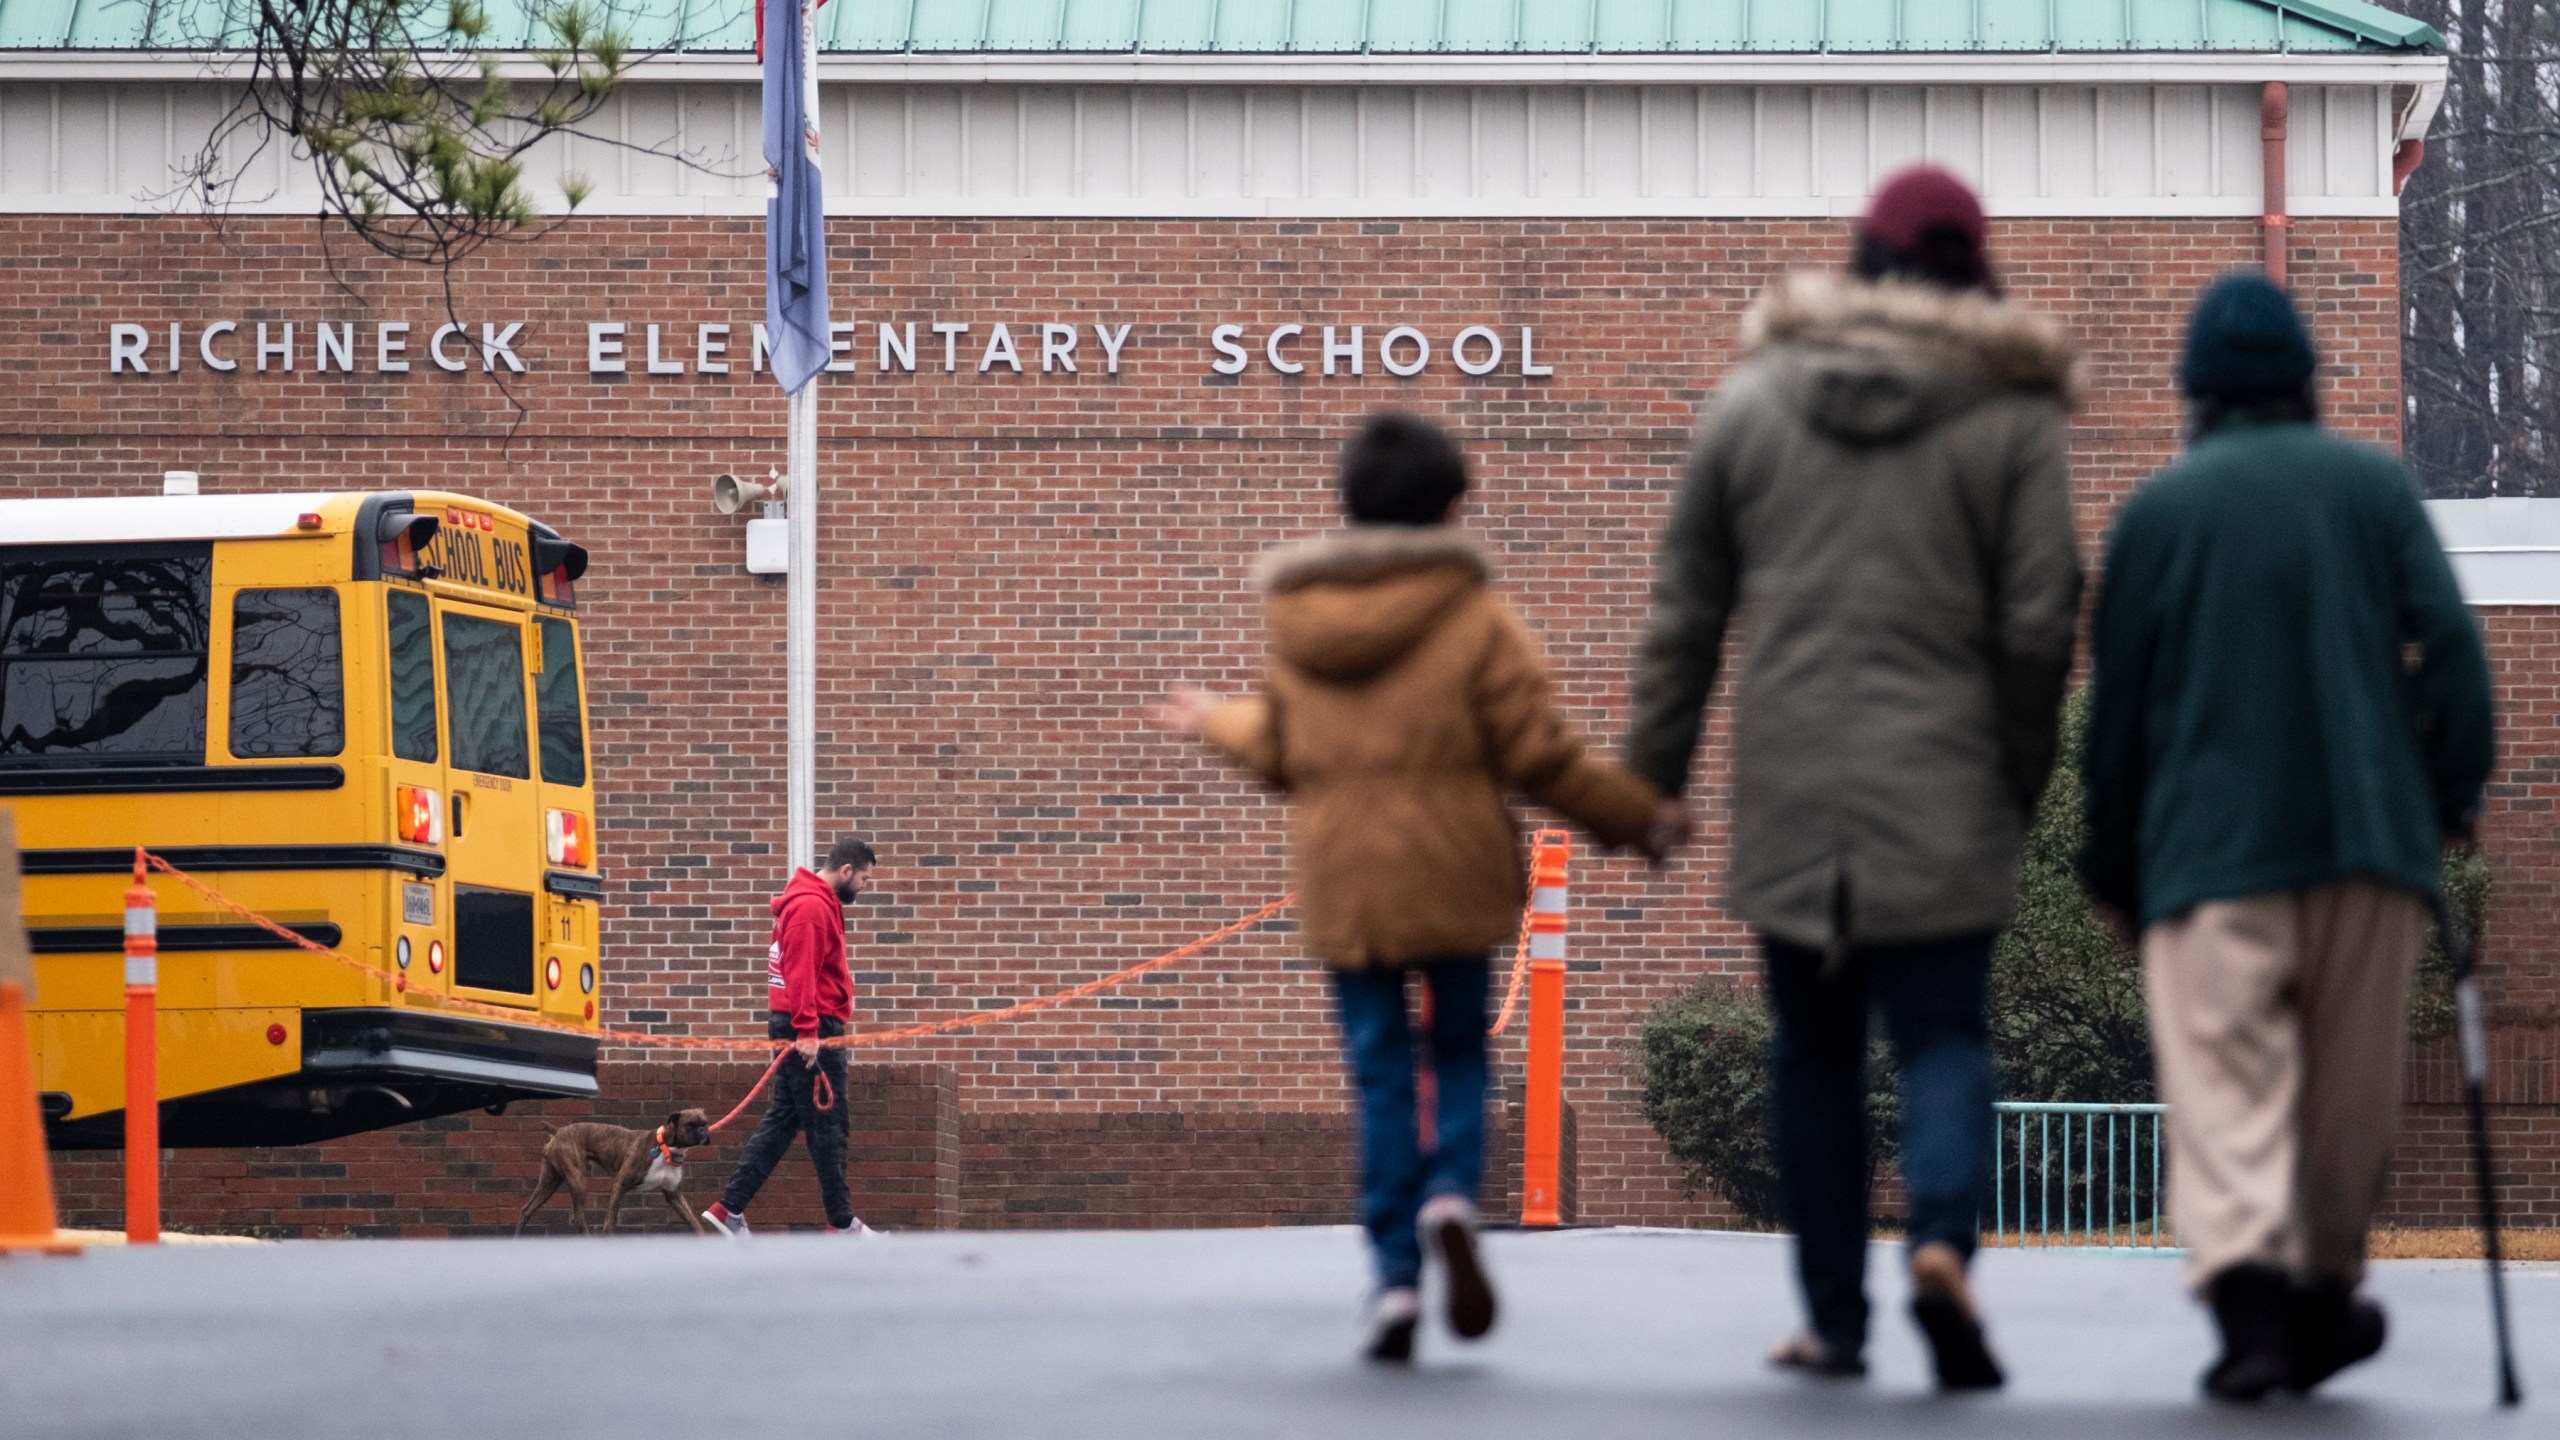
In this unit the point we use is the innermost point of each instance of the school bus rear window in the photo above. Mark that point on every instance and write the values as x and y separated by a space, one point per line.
103 652
413 679
484 696
564 743
287 697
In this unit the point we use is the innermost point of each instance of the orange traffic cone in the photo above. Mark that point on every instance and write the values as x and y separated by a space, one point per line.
26 1179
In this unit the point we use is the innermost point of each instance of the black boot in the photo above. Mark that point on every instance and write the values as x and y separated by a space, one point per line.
2254 1305
2333 1328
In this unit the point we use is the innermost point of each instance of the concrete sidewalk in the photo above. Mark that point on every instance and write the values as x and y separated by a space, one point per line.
1122 1335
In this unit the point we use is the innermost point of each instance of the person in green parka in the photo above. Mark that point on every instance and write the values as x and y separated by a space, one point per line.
2290 719
1879 500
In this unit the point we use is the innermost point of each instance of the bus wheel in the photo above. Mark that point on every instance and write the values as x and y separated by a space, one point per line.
499 1108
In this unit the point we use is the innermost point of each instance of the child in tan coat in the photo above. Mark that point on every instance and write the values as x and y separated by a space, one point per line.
1402 702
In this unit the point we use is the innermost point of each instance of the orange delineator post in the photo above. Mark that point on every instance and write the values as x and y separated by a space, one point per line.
1542 1126
141 1061
26 1179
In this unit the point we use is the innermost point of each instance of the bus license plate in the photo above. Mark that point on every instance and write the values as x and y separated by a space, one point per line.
417 904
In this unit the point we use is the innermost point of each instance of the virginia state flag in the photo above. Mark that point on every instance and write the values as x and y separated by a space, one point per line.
795 229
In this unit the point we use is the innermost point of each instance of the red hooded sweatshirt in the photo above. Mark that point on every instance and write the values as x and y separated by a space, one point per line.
805 967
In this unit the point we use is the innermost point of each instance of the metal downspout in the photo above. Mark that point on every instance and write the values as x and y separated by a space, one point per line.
2273 110
2411 126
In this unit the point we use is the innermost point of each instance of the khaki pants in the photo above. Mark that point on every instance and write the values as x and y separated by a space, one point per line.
2281 1023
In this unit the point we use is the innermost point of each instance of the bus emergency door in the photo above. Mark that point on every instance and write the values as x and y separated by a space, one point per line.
493 820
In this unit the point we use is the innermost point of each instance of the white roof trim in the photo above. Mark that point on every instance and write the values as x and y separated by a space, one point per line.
2505 551
94 520
2039 67
1374 207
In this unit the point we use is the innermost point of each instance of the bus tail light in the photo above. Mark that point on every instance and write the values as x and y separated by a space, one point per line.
416 815
551 973
565 837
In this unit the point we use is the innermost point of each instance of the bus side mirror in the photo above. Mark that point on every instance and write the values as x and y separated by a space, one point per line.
551 553
404 537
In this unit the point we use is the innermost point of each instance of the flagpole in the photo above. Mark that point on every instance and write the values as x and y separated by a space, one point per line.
796 309
800 508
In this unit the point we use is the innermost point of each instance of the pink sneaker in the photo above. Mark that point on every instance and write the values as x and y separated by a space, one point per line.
1449 1223
1392 1318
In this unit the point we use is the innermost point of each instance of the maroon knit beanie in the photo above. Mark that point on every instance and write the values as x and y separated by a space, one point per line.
1913 202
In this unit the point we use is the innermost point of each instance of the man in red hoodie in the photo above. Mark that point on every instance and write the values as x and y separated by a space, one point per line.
811 999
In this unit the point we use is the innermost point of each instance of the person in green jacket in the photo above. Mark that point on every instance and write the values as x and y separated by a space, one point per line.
1879 498
2291 717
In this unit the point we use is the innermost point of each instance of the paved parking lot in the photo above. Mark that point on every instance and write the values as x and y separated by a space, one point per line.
1177 1334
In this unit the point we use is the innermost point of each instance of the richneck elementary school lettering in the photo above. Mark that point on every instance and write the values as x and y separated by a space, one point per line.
617 349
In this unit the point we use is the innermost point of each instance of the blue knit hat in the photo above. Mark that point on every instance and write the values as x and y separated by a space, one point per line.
2245 339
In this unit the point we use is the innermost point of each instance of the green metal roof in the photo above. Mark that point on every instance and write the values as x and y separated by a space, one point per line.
1340 27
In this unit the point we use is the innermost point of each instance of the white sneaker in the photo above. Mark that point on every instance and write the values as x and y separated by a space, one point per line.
1448 1222
857 1230
1392 1318
733 1227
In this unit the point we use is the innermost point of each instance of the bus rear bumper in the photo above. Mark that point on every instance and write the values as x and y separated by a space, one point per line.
363 1069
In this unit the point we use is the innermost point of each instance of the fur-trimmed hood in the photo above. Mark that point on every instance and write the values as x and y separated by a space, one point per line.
1346 605
1875 362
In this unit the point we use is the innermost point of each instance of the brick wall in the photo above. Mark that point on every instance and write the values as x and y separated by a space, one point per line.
471 1174
2435 1179
2434 1185
1014 565
915 1162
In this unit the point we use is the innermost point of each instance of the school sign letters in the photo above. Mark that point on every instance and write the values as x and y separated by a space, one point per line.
616 350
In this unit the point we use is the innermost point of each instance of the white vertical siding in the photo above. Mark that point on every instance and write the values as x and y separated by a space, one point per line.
1729 120
2070 146
1383 149
2012 156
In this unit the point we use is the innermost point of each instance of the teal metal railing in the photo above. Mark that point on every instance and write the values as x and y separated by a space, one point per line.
2080 1177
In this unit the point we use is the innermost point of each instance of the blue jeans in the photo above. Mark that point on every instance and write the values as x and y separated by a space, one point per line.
1378 1041
1933 996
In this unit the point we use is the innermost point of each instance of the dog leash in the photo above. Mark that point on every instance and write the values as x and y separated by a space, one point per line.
822 1091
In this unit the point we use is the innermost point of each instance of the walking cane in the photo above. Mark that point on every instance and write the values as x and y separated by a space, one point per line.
2475 1087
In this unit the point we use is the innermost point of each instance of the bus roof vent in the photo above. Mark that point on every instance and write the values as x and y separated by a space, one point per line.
177 482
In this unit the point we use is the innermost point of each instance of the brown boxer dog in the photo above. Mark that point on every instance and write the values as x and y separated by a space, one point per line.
635 1159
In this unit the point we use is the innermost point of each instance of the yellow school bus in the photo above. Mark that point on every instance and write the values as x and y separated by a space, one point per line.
359 715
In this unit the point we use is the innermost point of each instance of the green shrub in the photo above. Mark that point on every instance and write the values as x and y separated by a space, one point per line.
2067 1019
1705 1062
2067 1016
2466 889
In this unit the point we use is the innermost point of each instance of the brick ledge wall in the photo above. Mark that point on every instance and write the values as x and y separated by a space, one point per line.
916 1162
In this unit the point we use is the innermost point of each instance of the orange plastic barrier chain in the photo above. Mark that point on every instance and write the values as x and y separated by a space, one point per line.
822 1091
1547 867
1519 972
400 982
1547 843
